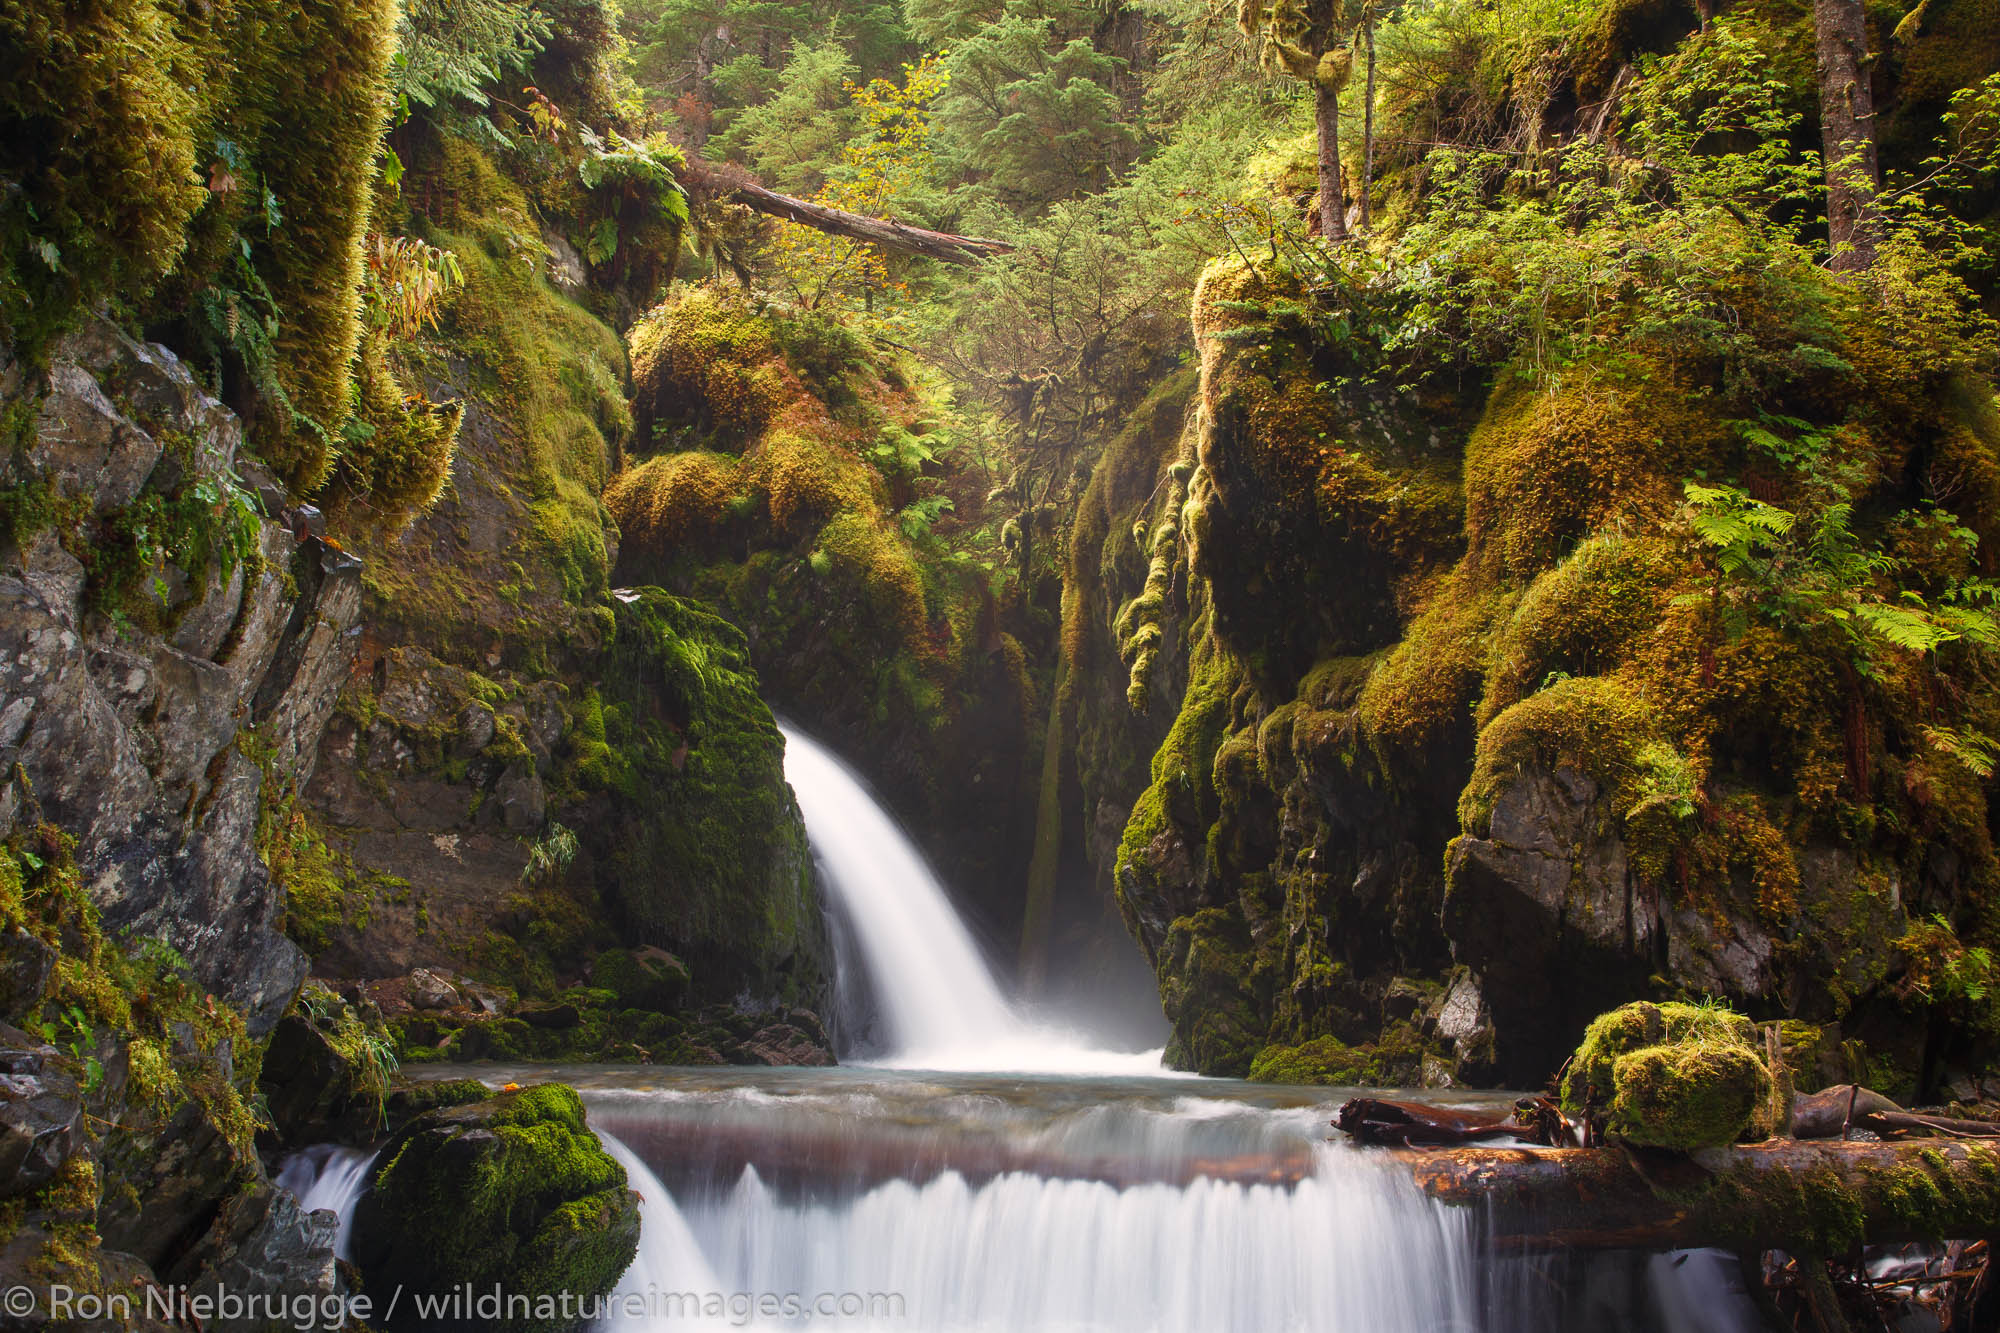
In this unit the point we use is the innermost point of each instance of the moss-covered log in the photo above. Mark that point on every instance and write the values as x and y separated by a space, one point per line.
1809 1198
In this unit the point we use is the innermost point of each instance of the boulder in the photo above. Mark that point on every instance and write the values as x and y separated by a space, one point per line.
513 1191
428 990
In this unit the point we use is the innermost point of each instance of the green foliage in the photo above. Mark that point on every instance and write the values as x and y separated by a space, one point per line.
450 50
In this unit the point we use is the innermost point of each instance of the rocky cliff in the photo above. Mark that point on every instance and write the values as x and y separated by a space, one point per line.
175 638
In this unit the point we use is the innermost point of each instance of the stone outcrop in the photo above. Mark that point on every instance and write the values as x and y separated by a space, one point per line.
129 736
172 641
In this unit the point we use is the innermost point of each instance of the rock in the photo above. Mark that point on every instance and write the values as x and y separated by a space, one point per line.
1461 1018
781 1044
264 1246
321 1080
553 1016
1547 914
484 998
27 965
41 1122
126 738
514 1190
522 801
428 990
648 978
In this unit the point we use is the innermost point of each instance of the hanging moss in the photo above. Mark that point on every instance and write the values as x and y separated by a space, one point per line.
396 454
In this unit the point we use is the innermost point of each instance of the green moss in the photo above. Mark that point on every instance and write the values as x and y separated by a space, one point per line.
712 863
1579 618
1205 971
514 1190
1690 1094
1423 691
1673 1075
1597 725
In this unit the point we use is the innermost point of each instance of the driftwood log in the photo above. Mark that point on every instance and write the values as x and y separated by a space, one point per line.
1817 1197
731 184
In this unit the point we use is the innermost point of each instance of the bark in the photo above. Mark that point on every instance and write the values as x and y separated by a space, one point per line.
1847 133
1804 1197
725 183
1332 207
1368 132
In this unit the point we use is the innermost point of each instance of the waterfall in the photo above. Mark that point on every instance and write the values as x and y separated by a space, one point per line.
939 1001
330 1178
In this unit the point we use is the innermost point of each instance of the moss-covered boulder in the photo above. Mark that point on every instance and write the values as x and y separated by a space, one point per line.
514 1191
1672 1075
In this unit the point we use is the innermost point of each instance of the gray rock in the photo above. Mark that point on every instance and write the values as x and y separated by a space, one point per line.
428 990
522 800
41 1125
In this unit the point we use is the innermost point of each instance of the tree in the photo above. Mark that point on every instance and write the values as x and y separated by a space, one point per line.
1847 133
1304 39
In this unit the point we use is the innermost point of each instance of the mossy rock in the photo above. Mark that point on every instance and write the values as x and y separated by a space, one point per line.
651 979
1323 1060
514 1191
1694 1094
1672 1075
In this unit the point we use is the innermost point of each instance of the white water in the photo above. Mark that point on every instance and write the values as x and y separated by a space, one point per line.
939 1000
329 1178
918 1228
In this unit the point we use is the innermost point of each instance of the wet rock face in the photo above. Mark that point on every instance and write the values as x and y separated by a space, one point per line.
128 736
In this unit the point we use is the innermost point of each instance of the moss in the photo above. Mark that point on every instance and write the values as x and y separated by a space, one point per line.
1595 724
705 360
1205 986
1673 1075
396 454
1549 465
712 861
514 1190
652 980
107 128
1423 691
1690 1094
1579 618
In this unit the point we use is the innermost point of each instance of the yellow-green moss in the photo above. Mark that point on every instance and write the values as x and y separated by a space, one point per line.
1549 464
707 354
1424 689
1579 618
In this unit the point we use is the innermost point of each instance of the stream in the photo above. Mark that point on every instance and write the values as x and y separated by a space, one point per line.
980 1169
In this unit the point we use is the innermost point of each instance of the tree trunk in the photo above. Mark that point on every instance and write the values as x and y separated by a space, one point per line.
1847 133
721 182
1368 131
1332 207
1805 1197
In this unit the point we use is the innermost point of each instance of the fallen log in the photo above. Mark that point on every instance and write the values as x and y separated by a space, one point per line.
1835 1111
1384 1123
1817 1197
731 184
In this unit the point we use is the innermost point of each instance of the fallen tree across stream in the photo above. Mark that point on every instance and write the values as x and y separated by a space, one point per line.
1813 1197
720 181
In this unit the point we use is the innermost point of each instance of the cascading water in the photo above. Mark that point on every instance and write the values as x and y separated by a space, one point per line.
1095 1195
1024 1204
329 1178
938 999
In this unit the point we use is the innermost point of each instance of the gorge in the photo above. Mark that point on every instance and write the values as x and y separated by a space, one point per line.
885 646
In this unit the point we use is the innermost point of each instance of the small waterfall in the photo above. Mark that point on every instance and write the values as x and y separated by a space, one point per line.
996 1206
939 1001
669 1257
331 1178
1354 1248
